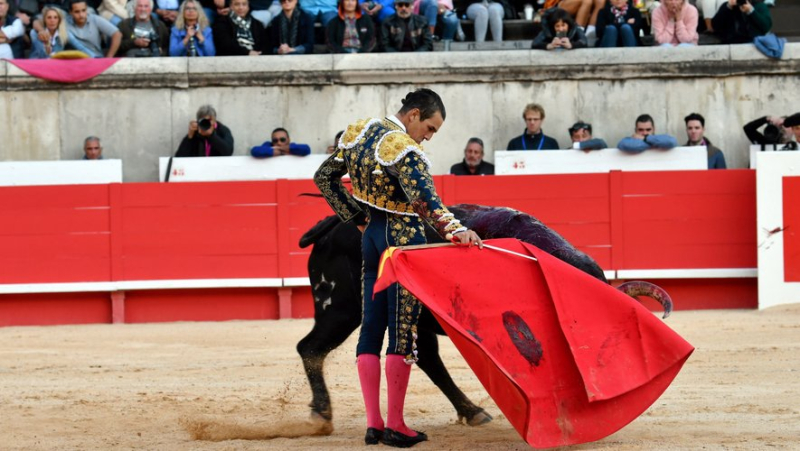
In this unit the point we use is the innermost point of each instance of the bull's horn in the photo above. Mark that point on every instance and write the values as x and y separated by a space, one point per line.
639 288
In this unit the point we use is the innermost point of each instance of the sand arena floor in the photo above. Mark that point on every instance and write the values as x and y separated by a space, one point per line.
151 386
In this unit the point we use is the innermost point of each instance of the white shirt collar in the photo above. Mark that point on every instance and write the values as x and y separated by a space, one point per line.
394 119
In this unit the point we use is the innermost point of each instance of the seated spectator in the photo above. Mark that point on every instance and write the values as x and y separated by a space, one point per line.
280 145
207 137
585 12
114 11
533 138
92 149
581 135
618 25
675 24
486 14
644 137
237 33
695 131
793 122
774 133
741 21
707 9
167 11
191 35
351 31
143 34
322 11
332 149
433 10
87 30
55 24
473 163
406 31
559 32
292 31
11 30
378 10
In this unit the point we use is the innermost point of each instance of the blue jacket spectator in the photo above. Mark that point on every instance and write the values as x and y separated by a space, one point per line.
644 137
191 35
280 145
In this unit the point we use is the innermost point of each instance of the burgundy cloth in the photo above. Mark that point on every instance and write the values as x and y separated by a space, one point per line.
567 358
65 71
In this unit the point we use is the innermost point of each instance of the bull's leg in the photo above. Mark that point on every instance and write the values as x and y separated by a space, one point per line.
431 363
329 332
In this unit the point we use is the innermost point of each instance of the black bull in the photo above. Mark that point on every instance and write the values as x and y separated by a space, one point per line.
334 269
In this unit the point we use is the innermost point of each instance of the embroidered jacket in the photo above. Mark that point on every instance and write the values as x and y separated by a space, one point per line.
388 171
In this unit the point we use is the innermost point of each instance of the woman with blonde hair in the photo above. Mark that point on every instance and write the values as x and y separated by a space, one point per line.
55 24
191 35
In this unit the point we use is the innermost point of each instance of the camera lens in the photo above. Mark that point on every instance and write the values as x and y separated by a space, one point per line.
204 124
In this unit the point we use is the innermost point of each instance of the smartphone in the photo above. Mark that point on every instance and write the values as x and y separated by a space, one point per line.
561 34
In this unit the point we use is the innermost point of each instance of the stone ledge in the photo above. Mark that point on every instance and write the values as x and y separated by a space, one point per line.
435 67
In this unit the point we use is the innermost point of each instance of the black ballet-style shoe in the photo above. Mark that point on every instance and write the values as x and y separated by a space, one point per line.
400 440
373 436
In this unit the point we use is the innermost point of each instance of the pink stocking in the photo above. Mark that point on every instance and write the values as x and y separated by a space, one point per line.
397 374
369 374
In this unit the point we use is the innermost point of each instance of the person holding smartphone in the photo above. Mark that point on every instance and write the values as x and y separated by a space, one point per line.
741 21
559 32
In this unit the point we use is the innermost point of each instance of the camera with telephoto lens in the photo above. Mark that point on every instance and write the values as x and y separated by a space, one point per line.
152 49
204 124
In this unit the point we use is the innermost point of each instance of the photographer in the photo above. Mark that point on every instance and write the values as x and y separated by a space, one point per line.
142 34
741 21
206 137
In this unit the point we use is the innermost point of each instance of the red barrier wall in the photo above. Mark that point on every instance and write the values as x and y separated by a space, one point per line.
791 229
220 230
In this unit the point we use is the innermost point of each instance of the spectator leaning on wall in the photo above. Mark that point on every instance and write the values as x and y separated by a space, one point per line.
280 144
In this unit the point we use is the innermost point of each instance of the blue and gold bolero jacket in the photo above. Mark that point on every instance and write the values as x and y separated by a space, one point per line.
388 171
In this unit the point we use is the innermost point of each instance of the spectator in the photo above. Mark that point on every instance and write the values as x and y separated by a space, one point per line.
675 23
473 163
644 137
167 11
114 11
237 33
774 133
318 10
332 149
406 31
559 32
87 30
292 31
618 25
433 10
143 34
280 145
581 135
207 137
11 28
55 24
351 31
585 12
707 9
533 138
486 14
793 122
191 35
92 149
378 10
695 131
741 21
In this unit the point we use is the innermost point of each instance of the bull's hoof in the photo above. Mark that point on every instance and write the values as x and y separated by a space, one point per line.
479 418
323 425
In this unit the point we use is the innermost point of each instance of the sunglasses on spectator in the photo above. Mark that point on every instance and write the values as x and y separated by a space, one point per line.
402 5
279 140
285 1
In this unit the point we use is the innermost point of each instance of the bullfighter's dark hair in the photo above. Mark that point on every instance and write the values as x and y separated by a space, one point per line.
427 101
695 117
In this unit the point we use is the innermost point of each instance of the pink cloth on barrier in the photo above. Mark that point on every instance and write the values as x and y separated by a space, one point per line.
65 70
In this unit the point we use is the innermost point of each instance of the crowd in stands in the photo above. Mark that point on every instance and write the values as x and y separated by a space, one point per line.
149 28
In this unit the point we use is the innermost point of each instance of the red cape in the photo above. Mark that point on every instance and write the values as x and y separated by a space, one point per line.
566 357
65 71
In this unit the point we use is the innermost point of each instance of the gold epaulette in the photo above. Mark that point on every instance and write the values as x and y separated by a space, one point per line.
394 145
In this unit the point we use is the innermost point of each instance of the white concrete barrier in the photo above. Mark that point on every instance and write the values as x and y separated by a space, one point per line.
71 172
580 162
239 168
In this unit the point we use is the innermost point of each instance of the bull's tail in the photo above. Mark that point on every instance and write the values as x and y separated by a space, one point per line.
319 230
639 288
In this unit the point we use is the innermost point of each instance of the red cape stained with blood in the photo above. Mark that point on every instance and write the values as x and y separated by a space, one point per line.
567 358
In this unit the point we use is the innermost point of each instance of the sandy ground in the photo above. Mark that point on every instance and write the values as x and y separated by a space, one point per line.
147 386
